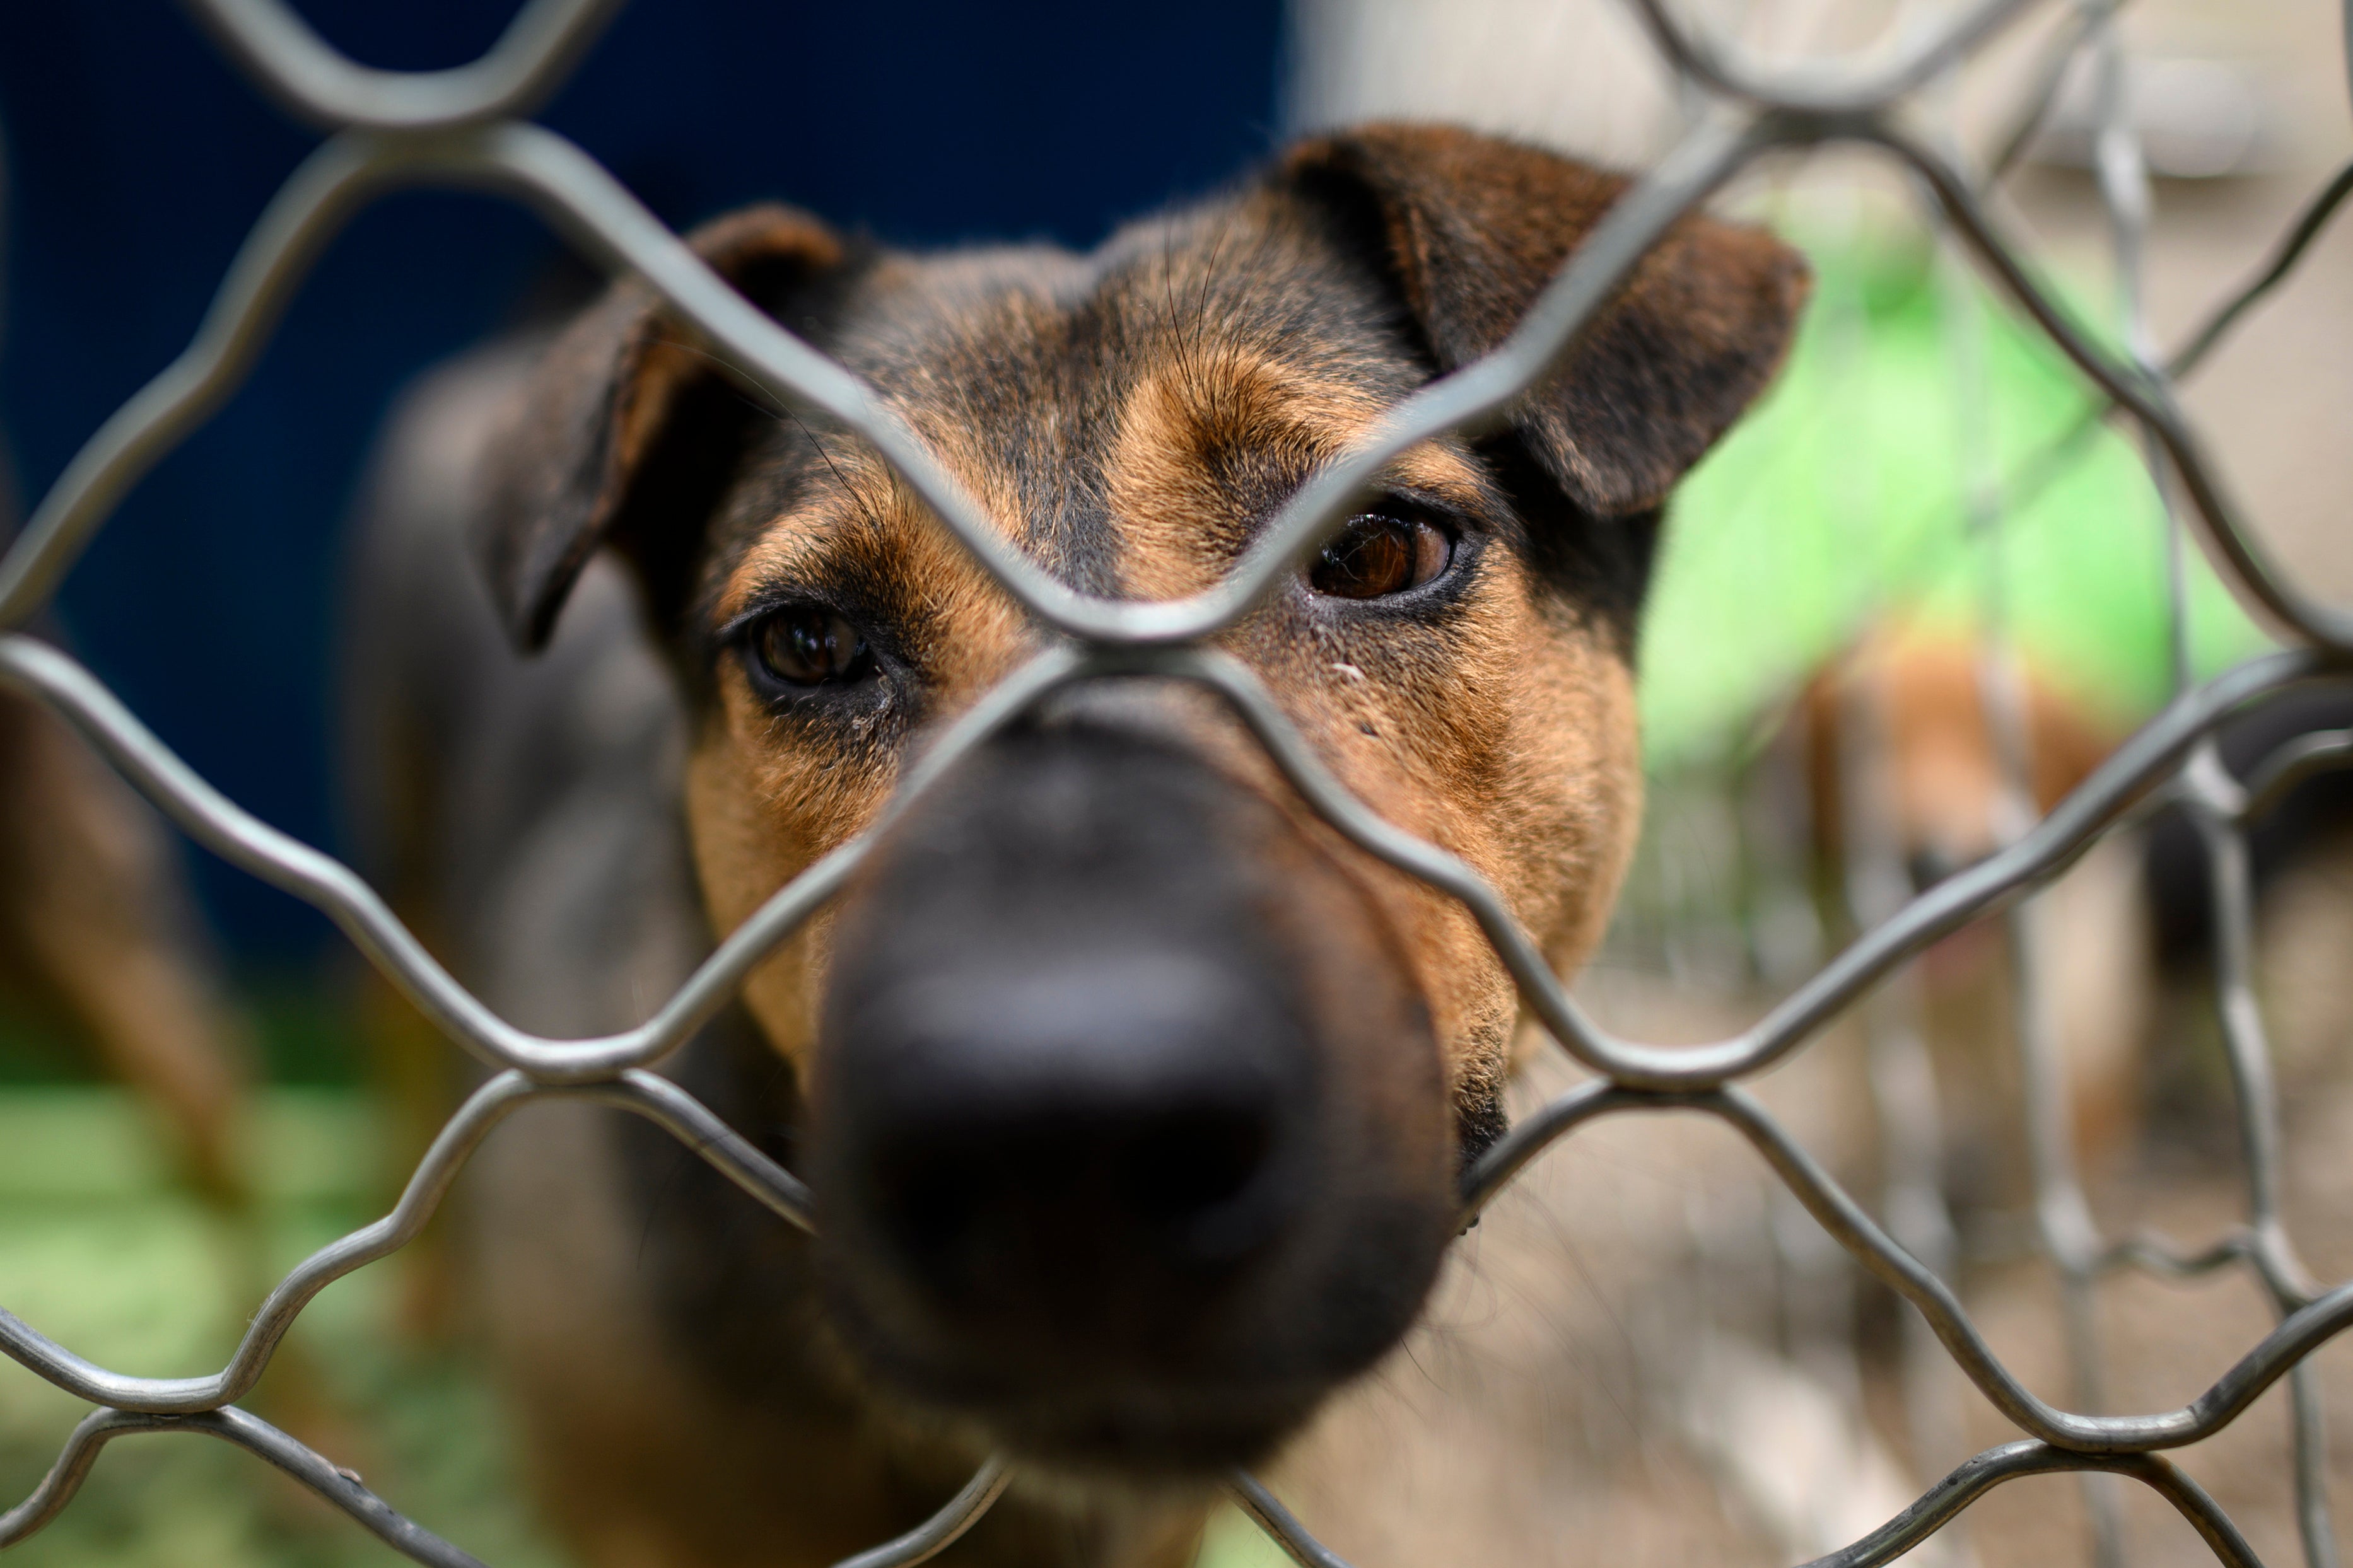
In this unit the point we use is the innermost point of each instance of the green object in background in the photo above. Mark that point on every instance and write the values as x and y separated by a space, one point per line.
1233 1540
100 1251
1843 498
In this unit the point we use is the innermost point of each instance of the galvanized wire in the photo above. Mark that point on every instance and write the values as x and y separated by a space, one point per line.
2068 1236
460 128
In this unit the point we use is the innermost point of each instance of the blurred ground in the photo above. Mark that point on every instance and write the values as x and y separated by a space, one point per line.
99 1250
1660 1259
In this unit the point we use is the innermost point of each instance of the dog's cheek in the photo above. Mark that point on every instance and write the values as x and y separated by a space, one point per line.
1383 735
1516 749
759 815
1471 1000
1538 784
1582 734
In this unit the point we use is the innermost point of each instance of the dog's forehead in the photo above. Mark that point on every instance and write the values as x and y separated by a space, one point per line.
971 324
1157 396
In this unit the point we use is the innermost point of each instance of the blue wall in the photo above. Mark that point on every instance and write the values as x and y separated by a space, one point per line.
137 158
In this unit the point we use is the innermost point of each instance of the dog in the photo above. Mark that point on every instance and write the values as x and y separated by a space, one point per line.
97 925
1134 1100
99 929
1897 747
1904 760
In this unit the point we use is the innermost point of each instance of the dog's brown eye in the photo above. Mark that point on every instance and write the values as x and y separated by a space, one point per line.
809 647
1376 555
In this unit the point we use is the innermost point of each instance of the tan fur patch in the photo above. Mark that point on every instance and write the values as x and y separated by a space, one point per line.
1186 420
762 809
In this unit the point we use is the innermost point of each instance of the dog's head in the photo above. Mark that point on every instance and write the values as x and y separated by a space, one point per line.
1138 1097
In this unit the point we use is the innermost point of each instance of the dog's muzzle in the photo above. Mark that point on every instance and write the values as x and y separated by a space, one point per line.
1129 1131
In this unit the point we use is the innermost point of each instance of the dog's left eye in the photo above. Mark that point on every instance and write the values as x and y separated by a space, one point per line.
1378 555
809 646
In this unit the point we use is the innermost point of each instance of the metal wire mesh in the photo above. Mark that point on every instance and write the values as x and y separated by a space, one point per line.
464 127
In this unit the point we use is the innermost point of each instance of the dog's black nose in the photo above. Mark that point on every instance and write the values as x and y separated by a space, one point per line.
1084 1153
1128 1136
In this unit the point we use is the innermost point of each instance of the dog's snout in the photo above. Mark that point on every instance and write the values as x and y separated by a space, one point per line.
1109 1134
1128 1134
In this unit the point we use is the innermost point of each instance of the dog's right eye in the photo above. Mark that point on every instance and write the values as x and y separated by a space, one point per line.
1378 554
808 645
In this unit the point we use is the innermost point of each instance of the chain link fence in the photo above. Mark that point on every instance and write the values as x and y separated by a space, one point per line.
467 127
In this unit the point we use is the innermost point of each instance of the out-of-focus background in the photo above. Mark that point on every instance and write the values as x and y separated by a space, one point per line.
1929 481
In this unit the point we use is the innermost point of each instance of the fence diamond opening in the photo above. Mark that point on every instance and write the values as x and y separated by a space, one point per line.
466 126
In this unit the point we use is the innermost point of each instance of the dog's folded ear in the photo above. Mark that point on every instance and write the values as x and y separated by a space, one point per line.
628 432
1468 229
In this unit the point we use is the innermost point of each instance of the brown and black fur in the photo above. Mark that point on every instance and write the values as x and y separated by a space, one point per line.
703 1385
96 924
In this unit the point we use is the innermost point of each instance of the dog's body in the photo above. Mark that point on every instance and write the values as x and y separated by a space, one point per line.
97 923
1905 766
1134 1098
